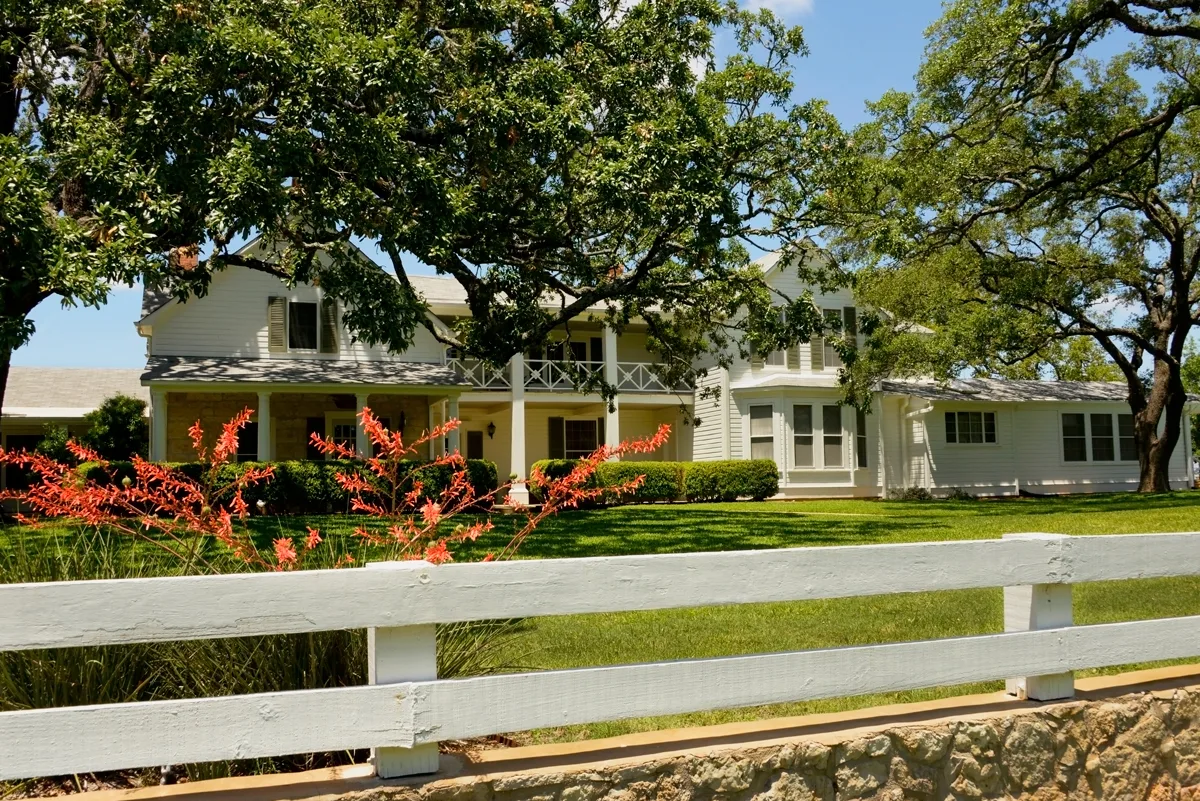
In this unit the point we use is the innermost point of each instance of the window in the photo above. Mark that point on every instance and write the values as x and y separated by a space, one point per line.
344 432
1074 438
248 443
777 358
1125 436
572 439
580 438
302 326
762 433
802 436
1102 438
831 434
833 322
860 437
971 428
474 444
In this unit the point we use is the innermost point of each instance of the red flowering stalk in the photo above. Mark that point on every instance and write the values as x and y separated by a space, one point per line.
409 518
159 504
403 508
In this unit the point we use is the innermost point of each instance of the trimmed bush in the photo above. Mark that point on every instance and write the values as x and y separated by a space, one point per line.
730 480
664 480
671 481
307 487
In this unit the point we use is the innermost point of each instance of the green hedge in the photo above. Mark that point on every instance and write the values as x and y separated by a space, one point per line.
732 479
670 481
308 487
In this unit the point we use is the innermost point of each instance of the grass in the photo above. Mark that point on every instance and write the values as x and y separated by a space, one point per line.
631 637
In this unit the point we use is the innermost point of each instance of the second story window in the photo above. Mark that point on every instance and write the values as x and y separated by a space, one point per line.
302 325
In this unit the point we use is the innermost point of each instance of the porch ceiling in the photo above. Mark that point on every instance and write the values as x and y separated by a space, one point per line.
323 372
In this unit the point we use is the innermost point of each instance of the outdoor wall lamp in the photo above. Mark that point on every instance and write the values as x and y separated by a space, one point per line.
491 429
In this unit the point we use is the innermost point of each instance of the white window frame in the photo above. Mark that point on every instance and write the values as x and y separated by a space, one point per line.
337 418
849 459
579 418
1087 438
958 443
749 428
842 432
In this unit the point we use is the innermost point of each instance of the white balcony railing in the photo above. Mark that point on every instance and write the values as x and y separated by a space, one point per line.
547 375
638 377
552 376
481 374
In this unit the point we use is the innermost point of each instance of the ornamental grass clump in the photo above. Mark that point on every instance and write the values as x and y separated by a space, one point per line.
188 520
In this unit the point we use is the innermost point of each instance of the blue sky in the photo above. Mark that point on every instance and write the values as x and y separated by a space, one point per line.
859 50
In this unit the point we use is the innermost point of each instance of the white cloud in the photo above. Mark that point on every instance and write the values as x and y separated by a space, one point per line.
784 8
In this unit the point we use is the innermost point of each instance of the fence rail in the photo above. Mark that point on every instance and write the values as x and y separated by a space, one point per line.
406 710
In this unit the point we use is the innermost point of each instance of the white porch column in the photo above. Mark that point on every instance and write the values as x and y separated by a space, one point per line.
519 491
361 444
612 413
264 427
452 414
158 425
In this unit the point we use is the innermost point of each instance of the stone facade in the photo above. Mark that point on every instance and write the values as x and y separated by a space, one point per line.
290 412
1143 747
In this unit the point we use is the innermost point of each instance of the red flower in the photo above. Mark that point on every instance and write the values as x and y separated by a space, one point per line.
285 552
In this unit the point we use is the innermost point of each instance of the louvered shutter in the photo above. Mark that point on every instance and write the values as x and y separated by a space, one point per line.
793 358
558 439
816 352
756 360
276 325
850 321
329 326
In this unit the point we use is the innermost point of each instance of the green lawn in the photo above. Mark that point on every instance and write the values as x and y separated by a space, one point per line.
723 631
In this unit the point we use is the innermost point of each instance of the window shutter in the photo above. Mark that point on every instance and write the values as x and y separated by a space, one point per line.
329 325
793 358
558 439
756 360
599 431
816 350
276 325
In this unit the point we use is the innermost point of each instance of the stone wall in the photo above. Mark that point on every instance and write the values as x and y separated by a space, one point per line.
1143 747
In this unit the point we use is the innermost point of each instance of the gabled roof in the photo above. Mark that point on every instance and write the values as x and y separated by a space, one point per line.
1003 391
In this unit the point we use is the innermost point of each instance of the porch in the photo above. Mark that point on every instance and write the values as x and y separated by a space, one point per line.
291 399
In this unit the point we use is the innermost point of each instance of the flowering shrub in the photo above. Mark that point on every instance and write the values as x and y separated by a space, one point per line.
181 510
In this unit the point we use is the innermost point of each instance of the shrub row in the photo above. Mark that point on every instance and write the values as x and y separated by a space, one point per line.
672 481
308 487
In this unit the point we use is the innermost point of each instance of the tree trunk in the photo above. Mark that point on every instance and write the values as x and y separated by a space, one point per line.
1166 399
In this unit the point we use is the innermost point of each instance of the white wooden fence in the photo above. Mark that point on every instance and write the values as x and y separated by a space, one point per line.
406 710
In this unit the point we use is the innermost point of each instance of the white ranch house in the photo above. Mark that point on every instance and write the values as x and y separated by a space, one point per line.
252 341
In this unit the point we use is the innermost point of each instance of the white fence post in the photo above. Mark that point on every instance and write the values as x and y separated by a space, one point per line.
396 654
1032 607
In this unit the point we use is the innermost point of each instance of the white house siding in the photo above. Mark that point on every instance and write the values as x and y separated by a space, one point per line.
1029 449
708 437
231 321
893 453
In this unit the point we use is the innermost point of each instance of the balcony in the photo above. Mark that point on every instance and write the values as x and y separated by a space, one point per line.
551 376
481 374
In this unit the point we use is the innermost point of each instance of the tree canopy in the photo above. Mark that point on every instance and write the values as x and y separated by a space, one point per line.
1033 191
